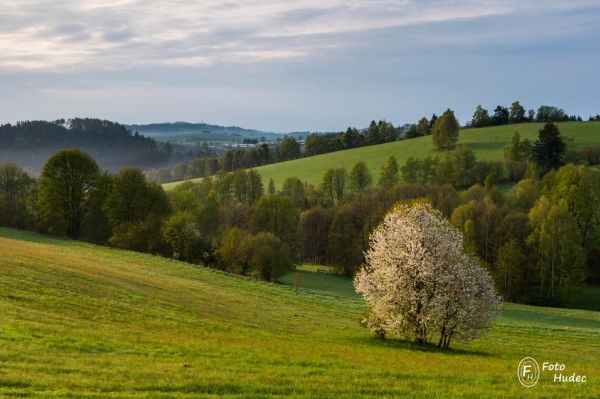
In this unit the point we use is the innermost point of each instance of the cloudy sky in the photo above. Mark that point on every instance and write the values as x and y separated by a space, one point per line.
283 65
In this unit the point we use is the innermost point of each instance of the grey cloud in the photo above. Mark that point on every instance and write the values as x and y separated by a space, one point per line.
204 34
68 29
69 33
227 5
10 22
303 15
118 35
345 76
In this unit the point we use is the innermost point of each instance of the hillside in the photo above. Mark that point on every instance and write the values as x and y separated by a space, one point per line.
192 132
186 127
84 321
31 143
487 143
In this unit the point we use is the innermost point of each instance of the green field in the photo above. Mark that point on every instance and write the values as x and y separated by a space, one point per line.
80 321
191 138
487 143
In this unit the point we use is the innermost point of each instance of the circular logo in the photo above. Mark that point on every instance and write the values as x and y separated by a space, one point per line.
528 372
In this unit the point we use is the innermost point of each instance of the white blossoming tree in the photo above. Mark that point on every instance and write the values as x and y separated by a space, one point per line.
420 283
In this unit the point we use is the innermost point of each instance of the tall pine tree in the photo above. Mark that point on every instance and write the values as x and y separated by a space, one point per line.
549 149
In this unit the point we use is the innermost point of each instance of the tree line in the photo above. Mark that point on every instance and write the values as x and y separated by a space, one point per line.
516 113
460 167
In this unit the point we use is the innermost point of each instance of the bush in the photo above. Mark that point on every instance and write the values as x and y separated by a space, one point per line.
142 236
263 256
591 154
231 253
268 257
180 232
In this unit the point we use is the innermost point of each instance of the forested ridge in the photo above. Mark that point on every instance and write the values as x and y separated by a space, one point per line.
30 143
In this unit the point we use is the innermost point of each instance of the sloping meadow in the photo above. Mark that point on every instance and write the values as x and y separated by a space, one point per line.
86 321
487 143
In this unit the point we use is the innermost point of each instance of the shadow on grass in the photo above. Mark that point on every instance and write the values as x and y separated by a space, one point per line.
399 343
487 146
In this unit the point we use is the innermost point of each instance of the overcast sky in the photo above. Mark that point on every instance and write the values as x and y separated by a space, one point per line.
294 65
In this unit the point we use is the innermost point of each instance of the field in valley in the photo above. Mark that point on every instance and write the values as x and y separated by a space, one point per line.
487 143
81 321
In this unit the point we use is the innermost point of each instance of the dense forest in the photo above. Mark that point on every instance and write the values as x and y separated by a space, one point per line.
539 241
30 143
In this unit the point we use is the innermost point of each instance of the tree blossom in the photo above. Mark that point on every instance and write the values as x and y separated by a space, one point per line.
419 282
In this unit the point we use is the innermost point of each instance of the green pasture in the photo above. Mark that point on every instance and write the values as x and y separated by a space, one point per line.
81 321
487 143
191 138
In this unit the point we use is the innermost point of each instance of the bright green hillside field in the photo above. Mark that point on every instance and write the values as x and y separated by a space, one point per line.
487 143
80 321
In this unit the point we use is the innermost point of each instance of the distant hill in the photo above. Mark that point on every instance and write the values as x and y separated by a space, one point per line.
179 128
487 143
30 143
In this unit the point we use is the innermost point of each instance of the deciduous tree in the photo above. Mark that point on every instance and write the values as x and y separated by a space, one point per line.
517 113
340 178
314 228
509 269
15 185
360 178
181 233
277 215
231 253
423 127
481 117
289 149
345 241
328 185
268 257
67 183
388 174
420 283
293 188
444 133
556 241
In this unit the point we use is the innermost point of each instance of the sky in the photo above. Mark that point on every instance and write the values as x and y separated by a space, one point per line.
309 65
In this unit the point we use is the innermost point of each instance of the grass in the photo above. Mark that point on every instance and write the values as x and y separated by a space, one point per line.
321 279
81 321
191 138
487 143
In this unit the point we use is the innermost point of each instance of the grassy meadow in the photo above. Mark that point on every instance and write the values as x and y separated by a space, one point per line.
487 143
185 142
81 321
191 138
